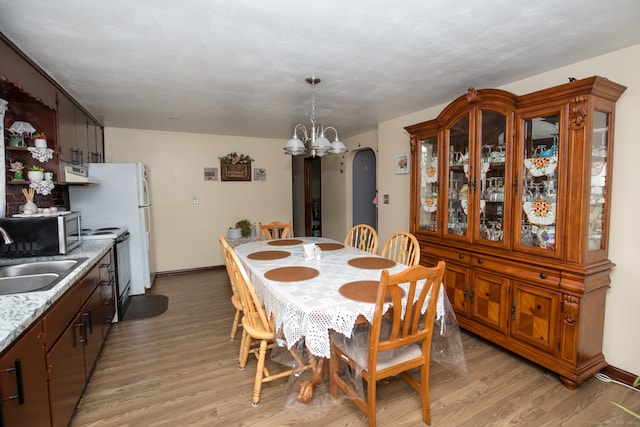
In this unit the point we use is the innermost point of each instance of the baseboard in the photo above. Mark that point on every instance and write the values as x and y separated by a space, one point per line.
620 375
189 271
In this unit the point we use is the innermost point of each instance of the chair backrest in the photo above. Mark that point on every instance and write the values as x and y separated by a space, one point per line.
363 236
402 247
410 326
254 313
275 230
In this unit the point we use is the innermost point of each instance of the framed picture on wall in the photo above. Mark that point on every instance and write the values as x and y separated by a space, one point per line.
210 174
259 174
402 164
235 171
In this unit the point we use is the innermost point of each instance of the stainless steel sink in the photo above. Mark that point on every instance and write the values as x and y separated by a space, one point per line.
35 276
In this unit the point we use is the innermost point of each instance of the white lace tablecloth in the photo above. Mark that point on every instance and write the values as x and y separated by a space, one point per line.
311 308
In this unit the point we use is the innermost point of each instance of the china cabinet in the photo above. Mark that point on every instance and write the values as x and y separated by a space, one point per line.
513 192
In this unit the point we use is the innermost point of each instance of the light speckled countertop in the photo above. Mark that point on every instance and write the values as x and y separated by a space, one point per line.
19 311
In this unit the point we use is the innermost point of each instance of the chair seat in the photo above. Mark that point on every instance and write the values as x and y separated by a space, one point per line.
386 359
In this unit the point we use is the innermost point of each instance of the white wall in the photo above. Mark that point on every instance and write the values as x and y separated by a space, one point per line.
186 234
621 344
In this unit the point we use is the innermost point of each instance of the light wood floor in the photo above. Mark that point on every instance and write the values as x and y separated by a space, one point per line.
180 369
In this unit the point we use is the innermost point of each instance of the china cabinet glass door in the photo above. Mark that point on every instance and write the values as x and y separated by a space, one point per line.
458 181
597 196
539 183
490 176
429 184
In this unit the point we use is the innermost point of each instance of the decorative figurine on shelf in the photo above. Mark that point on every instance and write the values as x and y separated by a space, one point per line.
17 167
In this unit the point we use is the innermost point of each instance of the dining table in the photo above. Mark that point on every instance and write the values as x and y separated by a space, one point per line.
327 288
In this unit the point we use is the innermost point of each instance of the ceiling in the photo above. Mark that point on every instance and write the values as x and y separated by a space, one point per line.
239 67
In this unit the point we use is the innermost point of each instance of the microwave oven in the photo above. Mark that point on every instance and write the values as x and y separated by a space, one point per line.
41 235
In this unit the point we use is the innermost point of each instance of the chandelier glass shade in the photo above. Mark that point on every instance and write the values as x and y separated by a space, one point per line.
313 141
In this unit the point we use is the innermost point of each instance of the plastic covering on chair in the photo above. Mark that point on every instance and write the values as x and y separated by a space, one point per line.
408 336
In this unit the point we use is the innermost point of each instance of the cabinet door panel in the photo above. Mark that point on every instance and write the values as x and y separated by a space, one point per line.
24 363
535 316
66 373
489 300
456 282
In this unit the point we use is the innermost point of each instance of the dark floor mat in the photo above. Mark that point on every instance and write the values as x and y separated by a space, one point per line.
145 306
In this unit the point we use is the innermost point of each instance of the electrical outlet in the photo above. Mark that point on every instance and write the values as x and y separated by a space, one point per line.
385 199
196 200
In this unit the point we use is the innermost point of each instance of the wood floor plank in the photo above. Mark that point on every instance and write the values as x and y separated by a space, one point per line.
180 369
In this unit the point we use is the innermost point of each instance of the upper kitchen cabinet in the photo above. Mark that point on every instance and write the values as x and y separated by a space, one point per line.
513 192
81 138
17 68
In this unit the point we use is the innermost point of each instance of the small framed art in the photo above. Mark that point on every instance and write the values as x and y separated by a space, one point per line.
402 164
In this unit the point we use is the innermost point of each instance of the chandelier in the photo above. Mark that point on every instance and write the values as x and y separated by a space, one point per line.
313 141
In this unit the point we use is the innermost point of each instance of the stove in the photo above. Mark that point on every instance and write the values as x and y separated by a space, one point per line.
102 233
122 262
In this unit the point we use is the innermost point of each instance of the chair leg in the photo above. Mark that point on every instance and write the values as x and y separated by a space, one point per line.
424 394
257 385
234 327
371 402
245 344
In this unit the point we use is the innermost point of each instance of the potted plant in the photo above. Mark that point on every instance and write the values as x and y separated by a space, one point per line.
35 173
40 140
245 227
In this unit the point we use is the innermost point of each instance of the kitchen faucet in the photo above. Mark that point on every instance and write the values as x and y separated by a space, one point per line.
5 236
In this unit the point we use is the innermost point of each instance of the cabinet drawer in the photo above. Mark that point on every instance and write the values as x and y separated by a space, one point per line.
528 274
60 315
445 253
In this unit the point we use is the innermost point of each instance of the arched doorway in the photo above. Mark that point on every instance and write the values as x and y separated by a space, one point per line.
364 188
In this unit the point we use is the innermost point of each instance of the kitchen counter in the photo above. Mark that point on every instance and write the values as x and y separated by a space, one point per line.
19 311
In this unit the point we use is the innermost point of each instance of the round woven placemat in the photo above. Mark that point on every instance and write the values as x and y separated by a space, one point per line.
330 246
268 255
362 291
291 274
284 242
371 263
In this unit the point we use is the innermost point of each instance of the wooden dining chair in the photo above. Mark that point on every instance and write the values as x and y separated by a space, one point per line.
402 247
363 236
235 299
275 230
256 326
405 345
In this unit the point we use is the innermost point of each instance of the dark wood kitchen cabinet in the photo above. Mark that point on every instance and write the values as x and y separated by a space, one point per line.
514 193
81 137
24 399
83 317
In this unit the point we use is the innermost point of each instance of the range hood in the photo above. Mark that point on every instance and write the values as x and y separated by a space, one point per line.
77 175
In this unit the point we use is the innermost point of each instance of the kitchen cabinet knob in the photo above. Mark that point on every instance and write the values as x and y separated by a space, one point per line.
460 256
543 275
480 261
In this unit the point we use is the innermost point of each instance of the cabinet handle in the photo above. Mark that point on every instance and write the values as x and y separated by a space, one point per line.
473 295
480 261
17 368
515 185
466 293
89 317
460 256
543 275
513 310
85 339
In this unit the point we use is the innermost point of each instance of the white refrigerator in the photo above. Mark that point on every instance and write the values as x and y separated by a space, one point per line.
120 199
